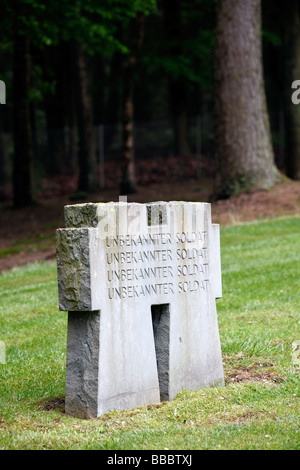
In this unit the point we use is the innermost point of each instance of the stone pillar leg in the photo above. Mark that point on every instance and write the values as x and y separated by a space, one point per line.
82 364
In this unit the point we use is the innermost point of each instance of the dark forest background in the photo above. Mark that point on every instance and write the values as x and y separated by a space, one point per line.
90 83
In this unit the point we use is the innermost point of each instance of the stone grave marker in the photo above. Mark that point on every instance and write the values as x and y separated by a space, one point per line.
139 282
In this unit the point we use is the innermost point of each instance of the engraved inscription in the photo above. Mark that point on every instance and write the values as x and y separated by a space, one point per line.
143 265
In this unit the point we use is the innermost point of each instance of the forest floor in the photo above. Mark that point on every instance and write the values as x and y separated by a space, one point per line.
28 235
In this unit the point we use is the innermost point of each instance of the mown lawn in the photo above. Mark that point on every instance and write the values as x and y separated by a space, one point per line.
259 322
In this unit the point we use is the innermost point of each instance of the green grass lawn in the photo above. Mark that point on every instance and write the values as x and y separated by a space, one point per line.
258 408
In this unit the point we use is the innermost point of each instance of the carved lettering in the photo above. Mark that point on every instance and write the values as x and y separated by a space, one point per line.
129 270
122 292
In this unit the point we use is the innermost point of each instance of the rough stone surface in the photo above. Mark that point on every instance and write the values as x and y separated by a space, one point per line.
82 364
140 283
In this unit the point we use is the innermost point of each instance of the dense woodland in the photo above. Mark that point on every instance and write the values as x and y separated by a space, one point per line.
71 67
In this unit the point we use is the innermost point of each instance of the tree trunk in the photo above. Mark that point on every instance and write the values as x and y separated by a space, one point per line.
2 159
292 73
70 110
3 167
87 181
128 184
56 108
22 160
173 30
112 106
242 131
178 109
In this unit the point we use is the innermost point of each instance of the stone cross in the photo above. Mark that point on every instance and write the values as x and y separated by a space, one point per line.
139 282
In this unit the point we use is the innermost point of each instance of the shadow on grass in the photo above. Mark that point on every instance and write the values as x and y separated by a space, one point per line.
52 404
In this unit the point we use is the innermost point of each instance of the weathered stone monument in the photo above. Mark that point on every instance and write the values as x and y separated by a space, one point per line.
139 282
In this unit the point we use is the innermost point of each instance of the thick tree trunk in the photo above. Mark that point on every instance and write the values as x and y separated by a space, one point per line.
22 160
243 140
128 183
292 73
